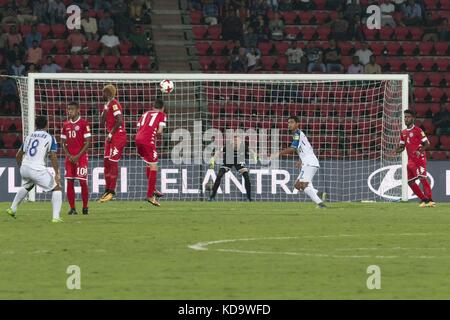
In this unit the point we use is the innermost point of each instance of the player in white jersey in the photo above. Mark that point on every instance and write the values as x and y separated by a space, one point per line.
32 159
309 164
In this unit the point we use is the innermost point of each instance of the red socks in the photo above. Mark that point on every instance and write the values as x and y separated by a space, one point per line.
416 189
151 174
113 173
426 188
84 193
106 173
71 193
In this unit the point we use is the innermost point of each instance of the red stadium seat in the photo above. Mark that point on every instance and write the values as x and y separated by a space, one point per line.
443 64
386 33
411 65
434 140
305 17
416 33
265 48
428 126
431 4
111 62
58 30
307 32
25 29
436 94
202 48
94 62
320 4
445 142
395 64
438 155
377 48
425 48
420 94
419 78
281 47
371 34
61 60
268 62
291 31
435 79
323 32
196 17
93 47
221 62
320 16
393 48
43 29
61 47
143 62
282 62
199 32
77 62
427 63
218 46
289 17
47 46
345 47
205 62
408 48
125 47
401 33
422 109
9 140
441 48
214 32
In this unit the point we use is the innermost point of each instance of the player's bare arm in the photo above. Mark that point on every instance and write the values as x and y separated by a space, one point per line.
425 146
87 143
19 157
400 149
118 122
284 152
103 117
54 162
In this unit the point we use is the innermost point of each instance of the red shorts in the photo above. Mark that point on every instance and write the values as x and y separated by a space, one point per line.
147 152
417 168
77 170
114 149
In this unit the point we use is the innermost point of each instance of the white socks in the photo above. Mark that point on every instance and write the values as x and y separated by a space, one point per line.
56 203
312 193
20 195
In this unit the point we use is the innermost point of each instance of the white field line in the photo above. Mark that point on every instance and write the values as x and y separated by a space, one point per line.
204 246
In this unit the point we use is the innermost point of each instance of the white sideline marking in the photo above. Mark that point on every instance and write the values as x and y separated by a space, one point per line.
203 246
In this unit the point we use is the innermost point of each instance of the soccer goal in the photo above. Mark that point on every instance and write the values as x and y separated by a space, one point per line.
352 121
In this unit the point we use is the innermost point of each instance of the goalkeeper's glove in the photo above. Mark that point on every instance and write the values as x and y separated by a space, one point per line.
212 162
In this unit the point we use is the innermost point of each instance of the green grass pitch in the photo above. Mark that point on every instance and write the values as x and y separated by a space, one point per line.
131 250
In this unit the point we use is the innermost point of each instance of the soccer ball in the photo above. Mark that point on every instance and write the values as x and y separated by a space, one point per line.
166 86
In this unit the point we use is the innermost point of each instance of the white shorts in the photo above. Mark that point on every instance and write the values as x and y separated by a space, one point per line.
42 178
307 173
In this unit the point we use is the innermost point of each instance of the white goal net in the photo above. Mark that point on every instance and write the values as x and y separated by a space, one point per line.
352 121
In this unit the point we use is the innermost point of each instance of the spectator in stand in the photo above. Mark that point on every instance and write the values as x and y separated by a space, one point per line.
285 5
122 21
89 26
57 12
84 5
333 58
40 10
231 27
399 4
102 5
239 62
10 16
372 67
236 48
17 69
387 8
444 31
50 66
110 43
250 38
261 28
13 37
3 41
253 59
276 27
303 5
339 28
412 13
273 4
136 8
430 28
31 68
105 23
355 67
25 13
8 91
333 5
34 35
356 29
15 53
34 54
442 121
210 12
258 7
294 55
364 54
317 67
353 8
76 42
141 45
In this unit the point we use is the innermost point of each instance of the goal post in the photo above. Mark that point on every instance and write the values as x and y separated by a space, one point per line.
352 121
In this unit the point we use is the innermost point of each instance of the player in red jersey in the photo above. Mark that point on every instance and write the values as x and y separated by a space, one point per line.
414 140
115 142
150 124
75 139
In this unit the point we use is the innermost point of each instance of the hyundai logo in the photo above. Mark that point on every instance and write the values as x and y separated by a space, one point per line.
386 180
